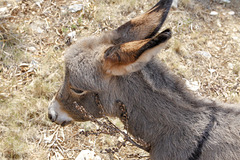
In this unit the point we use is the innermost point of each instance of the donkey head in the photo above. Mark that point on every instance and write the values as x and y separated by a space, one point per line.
93 63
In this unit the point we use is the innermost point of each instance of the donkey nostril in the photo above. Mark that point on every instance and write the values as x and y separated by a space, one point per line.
52 115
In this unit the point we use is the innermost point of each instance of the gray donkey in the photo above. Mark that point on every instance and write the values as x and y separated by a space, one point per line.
121 66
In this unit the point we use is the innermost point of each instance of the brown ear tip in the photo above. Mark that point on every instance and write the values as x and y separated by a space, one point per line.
165 35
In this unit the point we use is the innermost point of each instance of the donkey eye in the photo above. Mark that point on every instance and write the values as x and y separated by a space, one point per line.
77 91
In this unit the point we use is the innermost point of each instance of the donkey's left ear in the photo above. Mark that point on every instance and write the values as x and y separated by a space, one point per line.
130 57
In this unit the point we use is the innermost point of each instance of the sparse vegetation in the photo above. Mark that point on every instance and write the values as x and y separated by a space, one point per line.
32 44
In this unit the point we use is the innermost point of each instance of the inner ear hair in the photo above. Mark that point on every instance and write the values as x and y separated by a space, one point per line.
123 58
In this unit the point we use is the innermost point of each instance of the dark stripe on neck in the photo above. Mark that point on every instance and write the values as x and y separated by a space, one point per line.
198 151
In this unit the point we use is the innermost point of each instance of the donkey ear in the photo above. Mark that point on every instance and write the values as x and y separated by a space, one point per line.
129 57
144 26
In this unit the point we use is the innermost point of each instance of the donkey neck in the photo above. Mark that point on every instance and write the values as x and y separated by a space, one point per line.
157 99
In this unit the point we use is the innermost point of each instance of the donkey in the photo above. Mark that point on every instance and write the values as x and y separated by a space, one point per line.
121 65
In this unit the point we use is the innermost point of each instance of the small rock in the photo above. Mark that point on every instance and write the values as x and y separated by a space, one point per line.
75 8
70 37
235 30
230 65
204 53
194 86
213 13
3 10
31 49
120 139
87 155
72 34
231 13
225 1
175 4
235 38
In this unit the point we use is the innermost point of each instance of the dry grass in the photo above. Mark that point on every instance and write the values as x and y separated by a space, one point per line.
31 67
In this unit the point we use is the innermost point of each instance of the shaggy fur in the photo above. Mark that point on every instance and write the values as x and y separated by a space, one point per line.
162 112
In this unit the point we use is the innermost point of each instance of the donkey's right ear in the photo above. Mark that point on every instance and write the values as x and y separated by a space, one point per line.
144 26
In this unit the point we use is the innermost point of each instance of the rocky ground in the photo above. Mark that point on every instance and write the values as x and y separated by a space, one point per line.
204 51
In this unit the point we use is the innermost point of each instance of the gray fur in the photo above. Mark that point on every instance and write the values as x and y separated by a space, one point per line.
161 110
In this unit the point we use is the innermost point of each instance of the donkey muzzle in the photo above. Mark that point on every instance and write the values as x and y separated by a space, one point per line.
57 115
